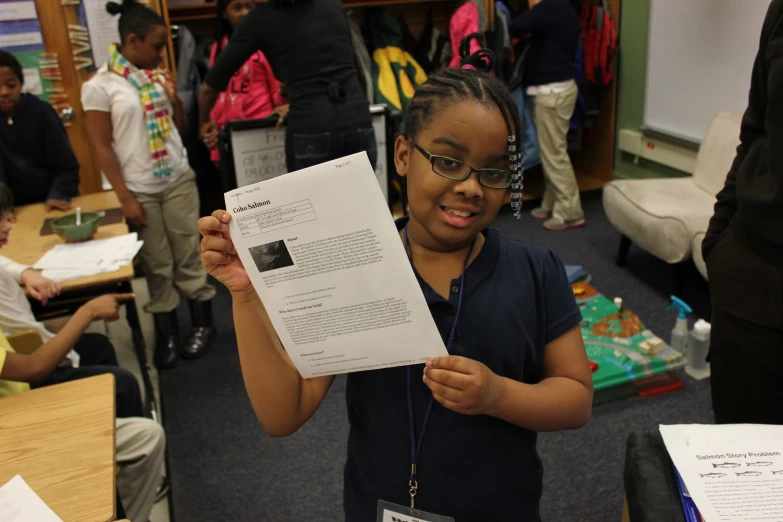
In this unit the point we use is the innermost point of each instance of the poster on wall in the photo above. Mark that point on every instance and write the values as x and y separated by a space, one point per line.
20 34
102 27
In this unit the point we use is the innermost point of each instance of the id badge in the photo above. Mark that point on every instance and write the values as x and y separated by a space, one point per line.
388 512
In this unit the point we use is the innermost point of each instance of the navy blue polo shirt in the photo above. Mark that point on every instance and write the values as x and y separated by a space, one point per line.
473 468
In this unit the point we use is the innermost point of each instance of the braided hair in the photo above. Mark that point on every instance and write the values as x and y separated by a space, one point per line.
135 18
471 82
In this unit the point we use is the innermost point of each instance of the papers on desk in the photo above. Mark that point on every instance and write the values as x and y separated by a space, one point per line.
19 503
731 471
72 260
323 253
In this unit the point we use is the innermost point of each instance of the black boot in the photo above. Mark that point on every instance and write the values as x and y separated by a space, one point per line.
202 332
166 339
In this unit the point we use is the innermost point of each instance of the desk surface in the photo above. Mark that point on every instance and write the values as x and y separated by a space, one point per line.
26 244
60 439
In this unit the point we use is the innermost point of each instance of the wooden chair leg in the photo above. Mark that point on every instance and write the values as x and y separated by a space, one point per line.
622 252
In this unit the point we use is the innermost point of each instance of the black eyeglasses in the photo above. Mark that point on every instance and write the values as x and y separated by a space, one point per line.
457 170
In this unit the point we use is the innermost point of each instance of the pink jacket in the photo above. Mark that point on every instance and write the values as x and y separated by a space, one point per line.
252 93
464 21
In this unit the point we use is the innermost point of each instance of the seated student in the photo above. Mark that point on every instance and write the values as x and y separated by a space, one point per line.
94 353
505 310
36 159
140 442
253 92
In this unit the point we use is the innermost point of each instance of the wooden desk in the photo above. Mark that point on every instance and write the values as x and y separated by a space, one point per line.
60 439
26 245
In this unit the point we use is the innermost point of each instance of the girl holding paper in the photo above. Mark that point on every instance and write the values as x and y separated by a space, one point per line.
133 117
504 309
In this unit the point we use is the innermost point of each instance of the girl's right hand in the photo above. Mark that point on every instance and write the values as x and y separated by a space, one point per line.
134 212
209 134
106 307
219 256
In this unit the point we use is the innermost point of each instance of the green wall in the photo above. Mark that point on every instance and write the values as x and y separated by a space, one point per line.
634 36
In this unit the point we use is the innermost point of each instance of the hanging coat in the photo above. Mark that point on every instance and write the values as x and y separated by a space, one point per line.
396 75
600 42
363 61
432 50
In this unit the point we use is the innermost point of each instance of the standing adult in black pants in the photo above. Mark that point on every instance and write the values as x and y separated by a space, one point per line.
743 250
308 44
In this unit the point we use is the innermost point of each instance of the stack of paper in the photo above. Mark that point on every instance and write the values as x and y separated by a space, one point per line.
731 471
19 503
72 260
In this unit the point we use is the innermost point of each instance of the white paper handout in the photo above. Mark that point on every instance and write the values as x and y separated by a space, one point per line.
734 483
98 256
733 472
19 503
324 255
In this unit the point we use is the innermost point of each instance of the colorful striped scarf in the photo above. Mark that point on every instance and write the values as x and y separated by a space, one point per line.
156 111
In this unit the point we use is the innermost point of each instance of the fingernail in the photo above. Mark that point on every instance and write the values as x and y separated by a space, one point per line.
428 364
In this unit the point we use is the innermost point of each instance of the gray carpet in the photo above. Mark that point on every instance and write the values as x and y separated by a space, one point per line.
223 467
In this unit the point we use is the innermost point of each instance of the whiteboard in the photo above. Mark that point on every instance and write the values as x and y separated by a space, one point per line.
259 154
258 150
699 62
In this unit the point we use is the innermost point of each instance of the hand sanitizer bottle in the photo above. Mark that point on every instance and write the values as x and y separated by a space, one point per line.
698 348
679 339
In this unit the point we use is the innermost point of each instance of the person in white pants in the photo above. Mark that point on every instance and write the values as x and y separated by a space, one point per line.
141 444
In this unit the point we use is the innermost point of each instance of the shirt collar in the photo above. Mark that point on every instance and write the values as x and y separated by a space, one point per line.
486 260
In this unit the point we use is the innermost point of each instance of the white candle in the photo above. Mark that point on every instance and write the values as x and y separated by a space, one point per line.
78 215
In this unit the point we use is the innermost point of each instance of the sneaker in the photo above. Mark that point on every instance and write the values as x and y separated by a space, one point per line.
541 213
559 224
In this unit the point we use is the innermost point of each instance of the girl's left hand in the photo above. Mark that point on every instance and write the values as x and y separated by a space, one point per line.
170 86
463 385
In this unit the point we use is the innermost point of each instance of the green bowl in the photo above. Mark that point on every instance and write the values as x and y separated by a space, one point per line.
66 227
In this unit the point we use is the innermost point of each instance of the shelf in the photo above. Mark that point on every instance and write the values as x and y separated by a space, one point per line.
181 13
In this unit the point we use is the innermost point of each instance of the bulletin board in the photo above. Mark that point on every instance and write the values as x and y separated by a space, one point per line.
20 34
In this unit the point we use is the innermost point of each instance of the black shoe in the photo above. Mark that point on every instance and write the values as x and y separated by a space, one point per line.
202 332
166 340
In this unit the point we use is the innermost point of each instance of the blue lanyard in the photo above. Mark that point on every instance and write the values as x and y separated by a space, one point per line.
413 484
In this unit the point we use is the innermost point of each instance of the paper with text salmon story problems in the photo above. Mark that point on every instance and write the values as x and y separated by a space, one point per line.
325 257
733 472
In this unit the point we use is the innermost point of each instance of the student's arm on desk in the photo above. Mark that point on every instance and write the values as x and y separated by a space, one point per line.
32 368
282 399
37 285
100 131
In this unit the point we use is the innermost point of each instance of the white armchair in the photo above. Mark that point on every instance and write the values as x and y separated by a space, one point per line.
664 216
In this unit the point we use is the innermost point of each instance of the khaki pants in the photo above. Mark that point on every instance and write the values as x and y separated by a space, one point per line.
552 115
171 256
140 448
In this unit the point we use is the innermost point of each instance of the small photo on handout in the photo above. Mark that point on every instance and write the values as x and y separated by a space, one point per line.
271 256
